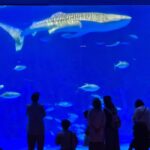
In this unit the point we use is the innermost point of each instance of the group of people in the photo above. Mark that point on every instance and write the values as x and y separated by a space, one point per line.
101 130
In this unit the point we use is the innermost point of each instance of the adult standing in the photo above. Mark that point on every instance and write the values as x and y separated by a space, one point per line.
96 124
35 131
112 125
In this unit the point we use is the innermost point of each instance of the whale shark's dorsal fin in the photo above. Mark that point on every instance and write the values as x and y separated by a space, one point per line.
57 14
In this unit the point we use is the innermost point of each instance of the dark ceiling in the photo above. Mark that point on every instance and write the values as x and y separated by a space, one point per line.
74 2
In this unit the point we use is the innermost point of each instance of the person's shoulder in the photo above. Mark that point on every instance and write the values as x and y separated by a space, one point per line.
141 108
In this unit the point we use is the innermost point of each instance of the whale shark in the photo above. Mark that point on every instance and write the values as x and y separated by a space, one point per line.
70 24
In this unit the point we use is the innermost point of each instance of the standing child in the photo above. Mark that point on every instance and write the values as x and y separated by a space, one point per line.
66 138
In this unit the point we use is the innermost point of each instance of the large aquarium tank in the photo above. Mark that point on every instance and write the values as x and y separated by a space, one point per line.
71 54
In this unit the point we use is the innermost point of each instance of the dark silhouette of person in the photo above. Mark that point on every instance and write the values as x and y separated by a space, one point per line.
140 140
142 113
35 130
112 125
66 138
141 120
96 123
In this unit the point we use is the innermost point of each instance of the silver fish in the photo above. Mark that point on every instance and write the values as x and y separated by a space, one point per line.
89 87
10 95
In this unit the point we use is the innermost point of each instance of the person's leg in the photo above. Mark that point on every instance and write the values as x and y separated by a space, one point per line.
131 145
99 146
31 142
91 146
40 142
102 145
96 146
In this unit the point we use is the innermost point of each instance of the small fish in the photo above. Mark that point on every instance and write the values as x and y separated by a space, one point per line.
57 120
10 94
63 104
121 65
50 109
20 67
133 36
1 86
89 87
114 44
79 126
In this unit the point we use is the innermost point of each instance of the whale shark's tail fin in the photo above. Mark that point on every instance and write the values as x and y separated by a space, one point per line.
16 34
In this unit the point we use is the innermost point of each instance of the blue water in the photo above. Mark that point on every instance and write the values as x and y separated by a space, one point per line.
57 67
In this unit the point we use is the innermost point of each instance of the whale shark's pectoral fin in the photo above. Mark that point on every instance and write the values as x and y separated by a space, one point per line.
15 33
73 35
52 30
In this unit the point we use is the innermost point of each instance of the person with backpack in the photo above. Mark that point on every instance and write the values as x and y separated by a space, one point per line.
140 137
142 116
112 125
142 113
66 138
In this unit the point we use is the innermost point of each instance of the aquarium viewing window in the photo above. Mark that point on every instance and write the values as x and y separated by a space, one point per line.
71 54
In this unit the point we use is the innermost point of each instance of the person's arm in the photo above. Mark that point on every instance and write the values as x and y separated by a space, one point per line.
135 117
58 139
43 111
